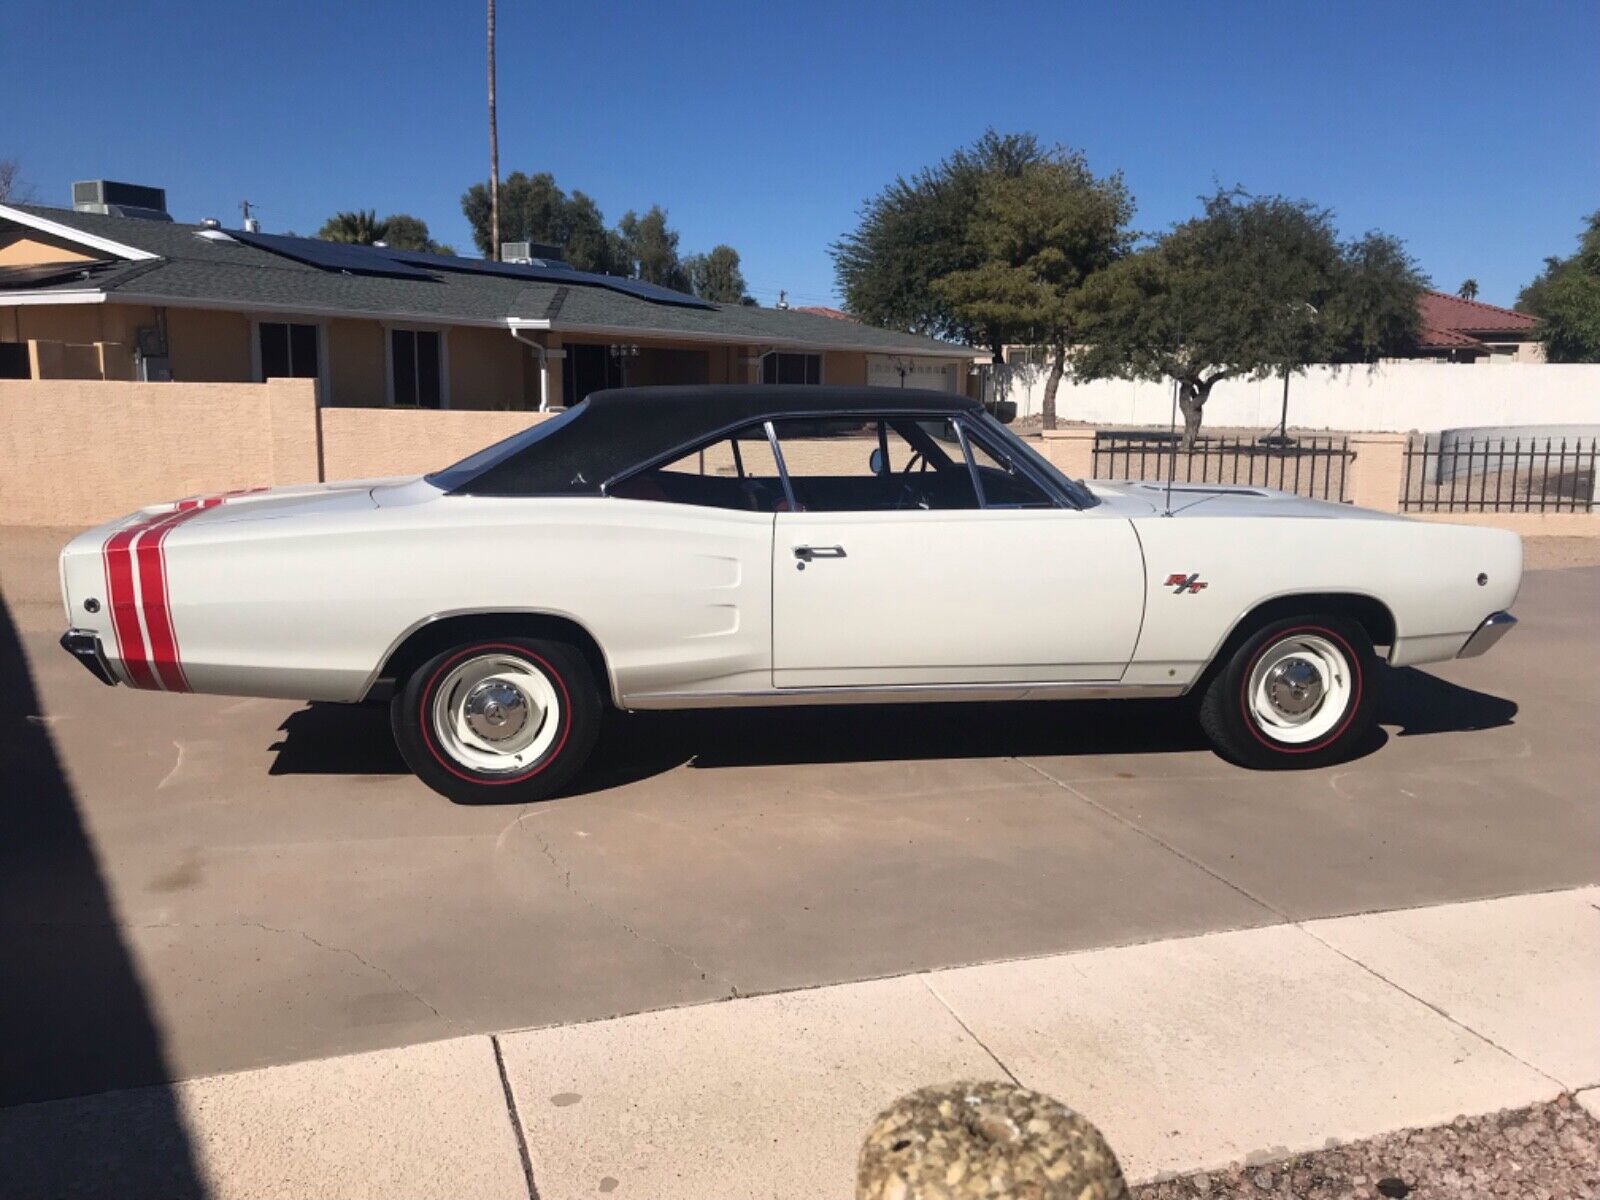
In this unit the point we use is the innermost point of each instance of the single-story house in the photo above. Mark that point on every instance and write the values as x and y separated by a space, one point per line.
98 295
1469 331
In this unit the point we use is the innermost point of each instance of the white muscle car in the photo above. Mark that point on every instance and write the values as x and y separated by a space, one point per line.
696 547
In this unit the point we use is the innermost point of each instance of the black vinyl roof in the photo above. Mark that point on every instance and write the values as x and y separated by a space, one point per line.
614 431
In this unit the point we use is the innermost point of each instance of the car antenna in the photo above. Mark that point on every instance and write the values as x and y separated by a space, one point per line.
1172 440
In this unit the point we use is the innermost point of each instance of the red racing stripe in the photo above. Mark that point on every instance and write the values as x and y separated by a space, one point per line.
122 549
153 596
124 607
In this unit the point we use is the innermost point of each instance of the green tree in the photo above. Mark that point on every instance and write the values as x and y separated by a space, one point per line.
1468 289
360 228
716 276
406 232
1255 286
1035 236
651 246
917 231
1566 299
534 209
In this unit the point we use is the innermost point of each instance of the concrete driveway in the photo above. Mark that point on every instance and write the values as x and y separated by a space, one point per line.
191 885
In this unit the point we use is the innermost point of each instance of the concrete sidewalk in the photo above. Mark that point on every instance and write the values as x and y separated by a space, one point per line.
1188 1053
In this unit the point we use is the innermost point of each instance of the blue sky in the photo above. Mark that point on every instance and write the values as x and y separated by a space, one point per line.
1472 131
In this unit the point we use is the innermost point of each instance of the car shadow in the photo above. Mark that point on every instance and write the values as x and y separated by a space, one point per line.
74 1015
354 739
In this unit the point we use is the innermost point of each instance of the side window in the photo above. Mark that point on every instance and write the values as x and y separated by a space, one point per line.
1003 485
873 464
288 350
738 471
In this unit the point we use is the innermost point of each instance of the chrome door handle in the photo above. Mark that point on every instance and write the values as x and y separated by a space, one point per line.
807 553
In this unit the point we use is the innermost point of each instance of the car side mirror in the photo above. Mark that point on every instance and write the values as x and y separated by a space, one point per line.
877 463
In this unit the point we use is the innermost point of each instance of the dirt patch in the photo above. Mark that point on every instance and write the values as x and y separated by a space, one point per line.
1545 1152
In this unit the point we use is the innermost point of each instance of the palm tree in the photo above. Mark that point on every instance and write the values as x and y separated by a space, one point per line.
359 228
1468 289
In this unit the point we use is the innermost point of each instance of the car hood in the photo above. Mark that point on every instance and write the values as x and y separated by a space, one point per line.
1147 497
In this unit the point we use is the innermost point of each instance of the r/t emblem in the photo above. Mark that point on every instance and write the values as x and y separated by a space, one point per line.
1184 583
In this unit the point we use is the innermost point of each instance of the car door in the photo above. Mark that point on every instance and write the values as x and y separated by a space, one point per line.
892 571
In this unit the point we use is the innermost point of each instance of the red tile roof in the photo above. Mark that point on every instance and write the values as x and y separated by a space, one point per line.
1448 339
1450 323
833 314
1442 311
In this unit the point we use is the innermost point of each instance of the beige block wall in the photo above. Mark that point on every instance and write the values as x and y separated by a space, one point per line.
77 453
363 443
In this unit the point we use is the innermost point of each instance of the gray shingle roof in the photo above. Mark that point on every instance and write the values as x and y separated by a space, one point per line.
218 273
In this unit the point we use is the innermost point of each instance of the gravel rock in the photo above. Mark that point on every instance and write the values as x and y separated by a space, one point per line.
1546 1152
985 1141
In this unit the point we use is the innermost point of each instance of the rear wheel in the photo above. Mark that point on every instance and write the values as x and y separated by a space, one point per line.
504 720
1297 693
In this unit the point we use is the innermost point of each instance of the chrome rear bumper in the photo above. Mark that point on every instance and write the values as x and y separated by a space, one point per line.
1495 626
84 645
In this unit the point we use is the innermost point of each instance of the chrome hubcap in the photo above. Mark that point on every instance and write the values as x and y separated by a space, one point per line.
496 713
1294 687
1299 689
496 710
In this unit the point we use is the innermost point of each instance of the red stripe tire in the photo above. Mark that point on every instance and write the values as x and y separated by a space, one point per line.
498 720
1298 692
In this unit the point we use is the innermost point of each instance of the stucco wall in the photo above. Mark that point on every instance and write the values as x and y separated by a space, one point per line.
80 452
361 443
21 250
207 346
486 369
1395 397
357 363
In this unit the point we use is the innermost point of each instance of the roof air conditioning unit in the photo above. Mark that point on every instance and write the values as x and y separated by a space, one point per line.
113 199
530 252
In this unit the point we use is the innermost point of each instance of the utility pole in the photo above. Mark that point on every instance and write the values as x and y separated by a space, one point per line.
494 154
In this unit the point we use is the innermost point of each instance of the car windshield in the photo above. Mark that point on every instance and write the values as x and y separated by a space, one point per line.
475 464
1014 445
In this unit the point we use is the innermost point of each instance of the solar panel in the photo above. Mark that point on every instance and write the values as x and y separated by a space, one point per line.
39 274
331 256
551 272
480 266
380 260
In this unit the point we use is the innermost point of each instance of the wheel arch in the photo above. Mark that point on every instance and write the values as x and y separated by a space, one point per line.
1367 610
443 630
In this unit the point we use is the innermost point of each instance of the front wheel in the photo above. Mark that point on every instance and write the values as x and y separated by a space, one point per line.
1298 693
503 720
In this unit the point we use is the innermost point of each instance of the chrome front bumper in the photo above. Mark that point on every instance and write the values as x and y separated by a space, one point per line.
85 646
1495 626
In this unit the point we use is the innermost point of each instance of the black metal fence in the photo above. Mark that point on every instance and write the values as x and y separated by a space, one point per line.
1314 466
1500 474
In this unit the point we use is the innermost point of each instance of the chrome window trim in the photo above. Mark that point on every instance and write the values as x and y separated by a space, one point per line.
1050 487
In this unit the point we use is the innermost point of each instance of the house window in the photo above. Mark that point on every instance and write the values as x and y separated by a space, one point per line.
14 361
288 350
791 368
417 368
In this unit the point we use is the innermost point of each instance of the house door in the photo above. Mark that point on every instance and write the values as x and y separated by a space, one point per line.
588 368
